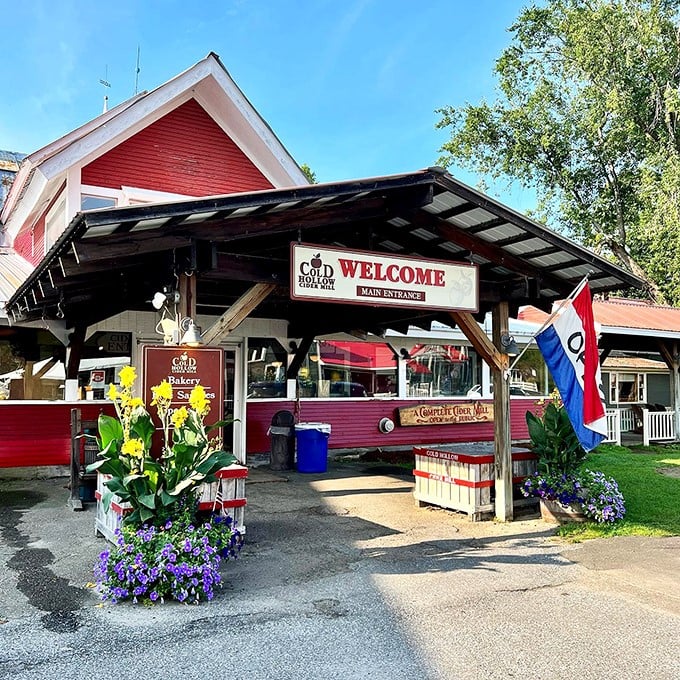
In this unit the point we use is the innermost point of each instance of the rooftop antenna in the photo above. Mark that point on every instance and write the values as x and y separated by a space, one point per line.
105 82
137 70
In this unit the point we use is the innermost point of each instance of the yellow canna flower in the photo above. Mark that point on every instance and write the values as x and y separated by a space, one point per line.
133 448
113 392
128 375
198 401
136 402
179 416
162 392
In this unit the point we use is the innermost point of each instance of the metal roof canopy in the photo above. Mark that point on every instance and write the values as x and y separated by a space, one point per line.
114 259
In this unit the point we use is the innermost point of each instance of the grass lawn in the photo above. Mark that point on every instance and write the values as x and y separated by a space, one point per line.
652 498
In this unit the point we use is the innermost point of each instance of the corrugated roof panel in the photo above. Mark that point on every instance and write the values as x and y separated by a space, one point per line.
577 272
471 218
526 247
501 232
391 245
424 234
549 260
14 270
444 201
451 247
147 225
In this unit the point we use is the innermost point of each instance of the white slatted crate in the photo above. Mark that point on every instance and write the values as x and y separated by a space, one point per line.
227 494
461 481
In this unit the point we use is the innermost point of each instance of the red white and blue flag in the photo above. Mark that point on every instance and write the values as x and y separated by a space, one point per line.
569 347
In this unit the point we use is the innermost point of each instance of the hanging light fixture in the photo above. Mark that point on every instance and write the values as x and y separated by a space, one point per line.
192 337
508 345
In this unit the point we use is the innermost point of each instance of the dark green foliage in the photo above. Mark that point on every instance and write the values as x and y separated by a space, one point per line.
554 441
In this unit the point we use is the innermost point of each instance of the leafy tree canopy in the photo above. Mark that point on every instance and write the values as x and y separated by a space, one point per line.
308 173
586 114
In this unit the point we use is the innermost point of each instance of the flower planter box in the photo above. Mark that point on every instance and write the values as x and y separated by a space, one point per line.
451 477
228 494
552 511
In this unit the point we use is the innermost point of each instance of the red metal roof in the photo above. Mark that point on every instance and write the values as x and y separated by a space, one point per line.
357 354
620 313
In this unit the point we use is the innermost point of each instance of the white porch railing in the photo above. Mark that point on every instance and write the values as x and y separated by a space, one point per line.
657 426
613 426
629 421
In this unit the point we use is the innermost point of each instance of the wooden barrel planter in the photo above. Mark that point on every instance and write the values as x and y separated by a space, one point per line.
552 511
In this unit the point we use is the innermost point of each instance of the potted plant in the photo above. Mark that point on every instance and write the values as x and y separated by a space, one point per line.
567 491
164 548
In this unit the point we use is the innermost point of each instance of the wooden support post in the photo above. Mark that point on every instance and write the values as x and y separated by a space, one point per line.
187 296
501 405
237 312
74 351
478 338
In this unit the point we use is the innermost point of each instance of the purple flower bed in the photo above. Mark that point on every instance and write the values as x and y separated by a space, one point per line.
179 560
598 496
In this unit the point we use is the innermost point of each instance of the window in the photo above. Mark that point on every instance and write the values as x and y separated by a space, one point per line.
442 370
267 362
628 388
90 202
530 377
348 368
93 197
331 369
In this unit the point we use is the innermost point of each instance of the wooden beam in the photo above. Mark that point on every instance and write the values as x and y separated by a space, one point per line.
235 267
478 338
237 312
187 296
299 356
245 227
490 251
74 351
501 422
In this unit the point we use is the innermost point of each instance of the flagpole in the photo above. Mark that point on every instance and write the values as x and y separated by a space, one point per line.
546 323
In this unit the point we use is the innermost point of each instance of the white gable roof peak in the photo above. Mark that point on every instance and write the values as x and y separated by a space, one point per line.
206 81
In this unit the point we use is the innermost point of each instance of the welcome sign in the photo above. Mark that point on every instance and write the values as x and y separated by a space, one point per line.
368 278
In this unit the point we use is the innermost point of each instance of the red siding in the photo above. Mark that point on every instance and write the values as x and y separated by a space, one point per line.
40 434
184 152
30 241
354 424
23 241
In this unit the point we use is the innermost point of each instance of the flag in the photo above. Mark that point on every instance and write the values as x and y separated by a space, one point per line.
569 347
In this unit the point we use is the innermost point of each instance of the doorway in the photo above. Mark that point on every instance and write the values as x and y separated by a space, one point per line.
234 402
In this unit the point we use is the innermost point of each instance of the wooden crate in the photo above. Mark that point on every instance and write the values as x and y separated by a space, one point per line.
464 481
226 494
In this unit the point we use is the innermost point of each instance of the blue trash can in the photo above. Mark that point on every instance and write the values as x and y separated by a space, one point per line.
312 446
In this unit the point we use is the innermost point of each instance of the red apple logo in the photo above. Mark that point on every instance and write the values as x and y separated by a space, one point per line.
316 261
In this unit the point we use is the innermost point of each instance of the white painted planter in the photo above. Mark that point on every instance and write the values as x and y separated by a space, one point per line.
452 477
227 494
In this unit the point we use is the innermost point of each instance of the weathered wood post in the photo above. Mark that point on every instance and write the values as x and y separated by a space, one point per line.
501 407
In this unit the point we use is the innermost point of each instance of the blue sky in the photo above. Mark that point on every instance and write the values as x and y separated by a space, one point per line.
349 86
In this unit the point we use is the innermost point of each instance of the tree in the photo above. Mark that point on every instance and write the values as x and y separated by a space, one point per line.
308 173
586 114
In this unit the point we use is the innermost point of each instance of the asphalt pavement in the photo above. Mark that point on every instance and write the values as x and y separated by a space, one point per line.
342 576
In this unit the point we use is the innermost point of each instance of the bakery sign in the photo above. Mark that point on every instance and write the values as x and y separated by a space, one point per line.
184 368
446 414
368 278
